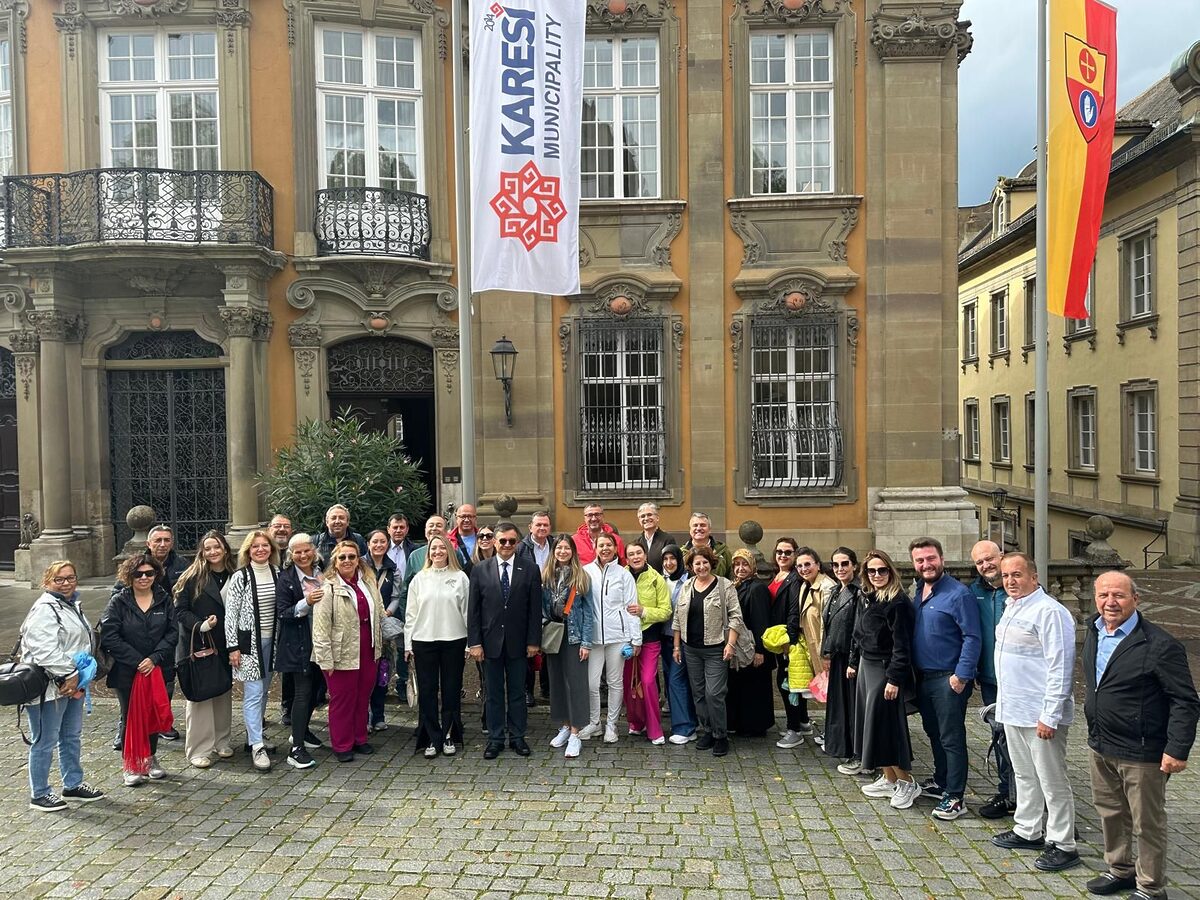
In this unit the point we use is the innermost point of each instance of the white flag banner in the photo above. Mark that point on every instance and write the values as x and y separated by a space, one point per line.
526 106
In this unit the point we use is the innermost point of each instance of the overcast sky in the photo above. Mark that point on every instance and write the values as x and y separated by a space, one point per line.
996 126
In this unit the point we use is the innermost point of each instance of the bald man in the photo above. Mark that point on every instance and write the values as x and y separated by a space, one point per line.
989 595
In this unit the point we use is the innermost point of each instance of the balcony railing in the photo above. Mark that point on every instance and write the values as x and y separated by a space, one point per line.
372 222
138 205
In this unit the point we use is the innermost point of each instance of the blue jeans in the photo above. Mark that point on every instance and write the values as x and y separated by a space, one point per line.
254 696
944 717
679 692
55 723
987 693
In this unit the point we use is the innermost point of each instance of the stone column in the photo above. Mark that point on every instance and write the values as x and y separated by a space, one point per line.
912 279
29 463
243 325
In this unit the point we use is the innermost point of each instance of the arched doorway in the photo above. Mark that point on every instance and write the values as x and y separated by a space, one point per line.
10 493
167 432
388 382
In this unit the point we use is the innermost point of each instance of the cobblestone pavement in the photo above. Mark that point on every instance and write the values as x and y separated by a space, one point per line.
624 820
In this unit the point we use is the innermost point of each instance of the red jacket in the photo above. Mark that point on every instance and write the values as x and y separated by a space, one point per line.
587 551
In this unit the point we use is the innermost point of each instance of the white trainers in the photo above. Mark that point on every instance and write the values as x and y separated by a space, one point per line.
790 740
681 739
587 732
610 735
850 767
560 740
448 748
156 772
262 761
880 788
659 741
574 745
905 793
133 779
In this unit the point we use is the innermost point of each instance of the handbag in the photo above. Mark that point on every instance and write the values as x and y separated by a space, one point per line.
819 686
412 687
391 628
552 636
203 674
21 683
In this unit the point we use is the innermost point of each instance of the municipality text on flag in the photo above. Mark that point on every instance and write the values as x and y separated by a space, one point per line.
1083 113
526 104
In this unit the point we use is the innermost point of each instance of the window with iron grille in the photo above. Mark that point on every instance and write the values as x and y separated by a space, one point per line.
795 432
621 387
620 137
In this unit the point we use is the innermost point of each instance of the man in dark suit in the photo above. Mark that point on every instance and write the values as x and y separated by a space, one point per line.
504 628
1142 709
652 539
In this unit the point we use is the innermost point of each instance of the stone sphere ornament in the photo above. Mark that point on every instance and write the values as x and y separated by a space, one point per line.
621 305
793 5
618 7
379 323
795 301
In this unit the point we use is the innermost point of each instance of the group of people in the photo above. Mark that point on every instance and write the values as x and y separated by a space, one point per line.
338 615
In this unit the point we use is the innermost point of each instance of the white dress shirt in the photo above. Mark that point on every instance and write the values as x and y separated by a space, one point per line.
1035 662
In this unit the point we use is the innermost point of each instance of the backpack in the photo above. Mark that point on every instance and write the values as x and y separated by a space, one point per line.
104 659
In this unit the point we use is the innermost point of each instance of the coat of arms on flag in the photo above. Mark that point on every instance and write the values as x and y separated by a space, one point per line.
1085 84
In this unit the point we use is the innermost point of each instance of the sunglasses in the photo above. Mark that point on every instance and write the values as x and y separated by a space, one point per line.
506 542
784 553
144 573
877 572
842 565
346 557
486 536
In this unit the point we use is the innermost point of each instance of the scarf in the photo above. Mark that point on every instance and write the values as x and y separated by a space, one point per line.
149 713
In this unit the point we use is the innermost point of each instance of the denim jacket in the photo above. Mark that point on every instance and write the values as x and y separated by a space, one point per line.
580 621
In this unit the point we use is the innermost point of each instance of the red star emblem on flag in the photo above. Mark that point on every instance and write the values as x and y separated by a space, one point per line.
529 205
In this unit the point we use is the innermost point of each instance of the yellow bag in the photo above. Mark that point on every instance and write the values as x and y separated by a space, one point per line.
800 668
775 639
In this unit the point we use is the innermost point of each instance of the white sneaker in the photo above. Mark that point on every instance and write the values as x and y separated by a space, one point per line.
587 732
681 739
430 752
790 740
448 748
659 741
156 772
906 792
610 735
880 788
133 779
574 745
560 740
850 767
262 761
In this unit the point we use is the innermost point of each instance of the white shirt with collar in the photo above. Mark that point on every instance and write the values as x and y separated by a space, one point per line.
397 555
1035 662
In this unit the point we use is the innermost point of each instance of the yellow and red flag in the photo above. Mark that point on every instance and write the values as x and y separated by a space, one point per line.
1083 113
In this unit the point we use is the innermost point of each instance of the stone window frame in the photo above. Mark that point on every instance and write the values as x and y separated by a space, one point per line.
1126 319
431 23
623 296
80 25
1001 402
1075 330
970 334
999 325
1075 464
972 437
1029 308
655 18
794 295
836 16
1130 390
13 14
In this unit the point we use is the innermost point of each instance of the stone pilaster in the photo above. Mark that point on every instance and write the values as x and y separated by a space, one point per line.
29 463
305 338
912 180
245 327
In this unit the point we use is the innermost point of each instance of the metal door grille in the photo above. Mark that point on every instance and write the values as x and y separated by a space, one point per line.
168 449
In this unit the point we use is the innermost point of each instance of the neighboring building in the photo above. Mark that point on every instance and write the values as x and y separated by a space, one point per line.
1124 385
254 226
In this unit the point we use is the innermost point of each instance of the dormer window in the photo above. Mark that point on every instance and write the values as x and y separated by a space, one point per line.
999 213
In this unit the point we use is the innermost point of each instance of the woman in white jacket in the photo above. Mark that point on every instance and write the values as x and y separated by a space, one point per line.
435 641
613 590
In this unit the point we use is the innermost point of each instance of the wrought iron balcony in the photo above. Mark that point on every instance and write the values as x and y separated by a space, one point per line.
372 222
138 205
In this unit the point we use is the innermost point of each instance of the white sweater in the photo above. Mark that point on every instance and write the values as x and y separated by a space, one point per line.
437 607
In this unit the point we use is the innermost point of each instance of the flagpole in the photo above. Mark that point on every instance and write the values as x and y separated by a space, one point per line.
1041 423
462 202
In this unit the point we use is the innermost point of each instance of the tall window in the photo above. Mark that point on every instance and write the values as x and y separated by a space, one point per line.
1079 326
620 136
623 433
971 430
1000 322
970 331
1141 428
1001 431
795 430
1138 273
1081 411
7 150
1030 309
1030 429
158 99
369 97
791 113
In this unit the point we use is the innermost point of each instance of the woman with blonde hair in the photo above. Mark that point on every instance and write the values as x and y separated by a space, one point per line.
200 610
435 642
567 599
250 633
347 643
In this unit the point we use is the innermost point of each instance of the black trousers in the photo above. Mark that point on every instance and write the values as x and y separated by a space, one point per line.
439 668
316 688
301 705
505 678
796 715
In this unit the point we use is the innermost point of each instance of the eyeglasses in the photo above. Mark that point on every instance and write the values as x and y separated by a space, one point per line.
808 565
464 516
486 536
144 573
64 579
506 542
346 557
878 573
837 564
784 553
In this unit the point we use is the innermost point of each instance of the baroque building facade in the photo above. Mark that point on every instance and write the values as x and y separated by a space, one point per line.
1124 384
224 218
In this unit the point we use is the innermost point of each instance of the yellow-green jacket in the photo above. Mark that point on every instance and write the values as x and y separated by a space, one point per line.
654 597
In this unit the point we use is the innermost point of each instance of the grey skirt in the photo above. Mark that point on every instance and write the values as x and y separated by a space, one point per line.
880 726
